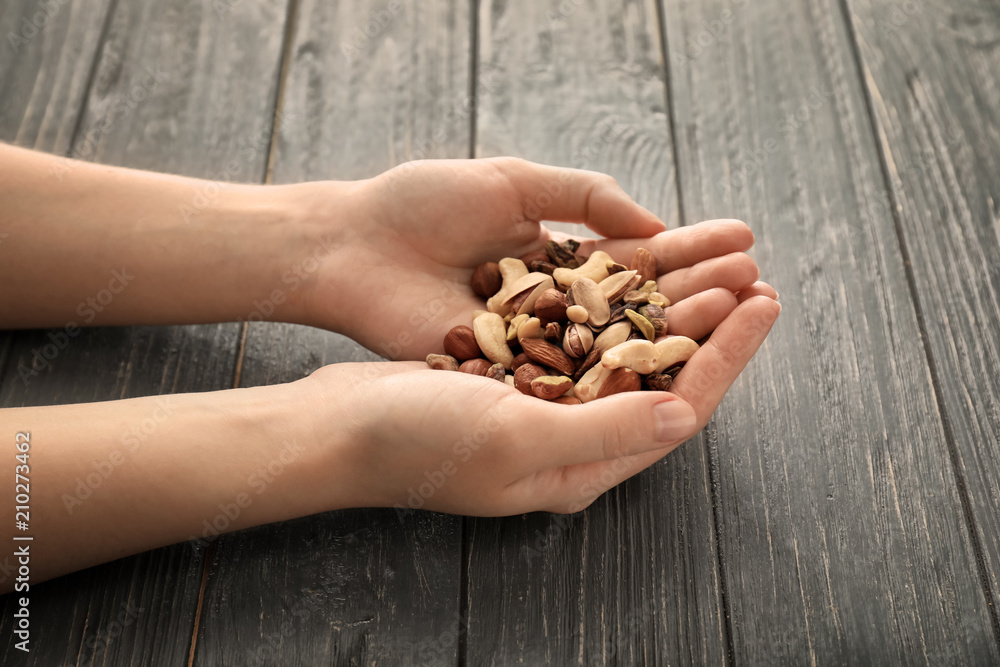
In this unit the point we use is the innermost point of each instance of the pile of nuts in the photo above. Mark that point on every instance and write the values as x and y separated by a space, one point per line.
568 329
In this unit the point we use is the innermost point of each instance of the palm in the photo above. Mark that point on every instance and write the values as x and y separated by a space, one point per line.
428 225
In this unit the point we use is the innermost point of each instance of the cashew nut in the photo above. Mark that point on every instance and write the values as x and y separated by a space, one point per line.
639 355
491 335
511 269
674 350
595 268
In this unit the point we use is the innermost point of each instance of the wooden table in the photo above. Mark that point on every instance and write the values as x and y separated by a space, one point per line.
843 506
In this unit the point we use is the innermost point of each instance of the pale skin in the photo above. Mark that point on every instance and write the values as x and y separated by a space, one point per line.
385 261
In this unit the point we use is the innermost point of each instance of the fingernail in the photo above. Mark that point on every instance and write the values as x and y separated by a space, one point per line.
675 420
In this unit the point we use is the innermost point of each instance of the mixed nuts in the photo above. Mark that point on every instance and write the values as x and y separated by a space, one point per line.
568 329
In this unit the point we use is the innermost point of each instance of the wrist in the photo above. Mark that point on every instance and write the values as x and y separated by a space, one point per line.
299 465
304 236
269 241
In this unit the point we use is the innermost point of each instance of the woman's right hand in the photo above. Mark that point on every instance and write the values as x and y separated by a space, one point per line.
417 438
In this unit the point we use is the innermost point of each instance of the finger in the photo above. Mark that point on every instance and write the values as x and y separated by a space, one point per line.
759 288
734 272
699 315
707 376
682 247
575 195
605 429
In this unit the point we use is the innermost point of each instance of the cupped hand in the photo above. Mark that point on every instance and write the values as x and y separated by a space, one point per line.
415 438
398 279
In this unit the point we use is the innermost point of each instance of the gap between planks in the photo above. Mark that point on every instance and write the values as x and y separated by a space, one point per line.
708 432
287 45
949 437
465 556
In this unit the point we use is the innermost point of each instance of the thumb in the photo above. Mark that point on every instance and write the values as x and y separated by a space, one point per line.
577 195
613 427
612 213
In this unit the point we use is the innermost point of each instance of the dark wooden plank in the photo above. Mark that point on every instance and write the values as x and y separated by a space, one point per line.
209 96
579 84
358 586
46 59
45 65
841 529
933 79
632 579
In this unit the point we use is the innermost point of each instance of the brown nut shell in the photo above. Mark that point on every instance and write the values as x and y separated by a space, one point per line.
524 375
520 360
578 340
442 362
486 280
551 305
461 343
475 366
620 380
534 256
549 387
548 355
644 264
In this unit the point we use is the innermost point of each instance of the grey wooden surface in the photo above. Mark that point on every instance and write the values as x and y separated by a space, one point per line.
376 586
842 506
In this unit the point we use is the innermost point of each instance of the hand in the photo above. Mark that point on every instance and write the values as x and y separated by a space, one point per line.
399 280
453 442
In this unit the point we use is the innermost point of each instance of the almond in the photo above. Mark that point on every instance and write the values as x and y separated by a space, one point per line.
547 355
644 264
620 380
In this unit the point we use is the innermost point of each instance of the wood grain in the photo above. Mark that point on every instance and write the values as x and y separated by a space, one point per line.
358 586
579 84
175 89
933 79
841 528
46 60
633 579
